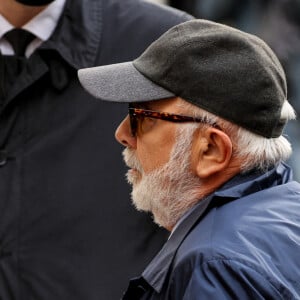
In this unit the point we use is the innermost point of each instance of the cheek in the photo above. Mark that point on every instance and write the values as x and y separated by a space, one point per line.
156 154
151 160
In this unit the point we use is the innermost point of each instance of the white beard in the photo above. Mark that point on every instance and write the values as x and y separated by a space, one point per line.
169 191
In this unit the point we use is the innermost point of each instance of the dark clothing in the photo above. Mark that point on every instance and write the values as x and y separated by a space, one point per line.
67 228
242 242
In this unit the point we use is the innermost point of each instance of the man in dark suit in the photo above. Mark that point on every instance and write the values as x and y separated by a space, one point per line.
66 228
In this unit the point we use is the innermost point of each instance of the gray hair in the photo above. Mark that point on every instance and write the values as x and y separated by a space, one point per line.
253 150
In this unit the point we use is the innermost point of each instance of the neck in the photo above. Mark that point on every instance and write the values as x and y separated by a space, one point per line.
207 187
18 14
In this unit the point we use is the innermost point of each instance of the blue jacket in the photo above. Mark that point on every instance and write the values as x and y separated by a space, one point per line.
242 242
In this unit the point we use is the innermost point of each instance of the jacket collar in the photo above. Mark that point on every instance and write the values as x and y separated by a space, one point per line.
83 20
156 272
239 186
80 18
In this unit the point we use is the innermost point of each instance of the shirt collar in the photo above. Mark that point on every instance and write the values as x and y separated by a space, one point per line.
241 185
76 19
42 25
5 26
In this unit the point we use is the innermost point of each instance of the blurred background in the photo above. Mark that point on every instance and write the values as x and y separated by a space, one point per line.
278 23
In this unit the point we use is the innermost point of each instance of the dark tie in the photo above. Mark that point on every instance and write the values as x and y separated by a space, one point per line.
19 39
12 65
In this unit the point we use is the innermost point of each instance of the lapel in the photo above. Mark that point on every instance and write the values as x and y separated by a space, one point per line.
80 18
156 273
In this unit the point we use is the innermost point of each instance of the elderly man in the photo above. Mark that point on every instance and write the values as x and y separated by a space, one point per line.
205 147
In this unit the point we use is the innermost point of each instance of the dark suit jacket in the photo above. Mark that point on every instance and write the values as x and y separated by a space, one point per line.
67 228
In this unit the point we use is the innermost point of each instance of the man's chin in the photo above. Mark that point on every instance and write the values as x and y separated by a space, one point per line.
139 200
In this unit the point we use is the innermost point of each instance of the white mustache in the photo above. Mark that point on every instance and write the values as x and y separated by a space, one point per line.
131 160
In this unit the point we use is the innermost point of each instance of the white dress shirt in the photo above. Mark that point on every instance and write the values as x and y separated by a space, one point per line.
42 26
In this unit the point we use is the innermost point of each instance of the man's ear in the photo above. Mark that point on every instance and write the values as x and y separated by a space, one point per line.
212 152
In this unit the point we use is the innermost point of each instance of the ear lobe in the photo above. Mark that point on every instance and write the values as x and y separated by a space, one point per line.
213 153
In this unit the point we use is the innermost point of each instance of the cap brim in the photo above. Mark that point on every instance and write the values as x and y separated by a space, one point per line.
121 83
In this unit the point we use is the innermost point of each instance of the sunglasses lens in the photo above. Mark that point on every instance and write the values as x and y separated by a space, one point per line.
133 122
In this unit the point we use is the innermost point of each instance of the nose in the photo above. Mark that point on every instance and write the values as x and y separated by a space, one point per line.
123 134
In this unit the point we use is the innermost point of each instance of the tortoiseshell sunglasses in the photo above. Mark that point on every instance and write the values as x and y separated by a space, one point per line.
140 113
